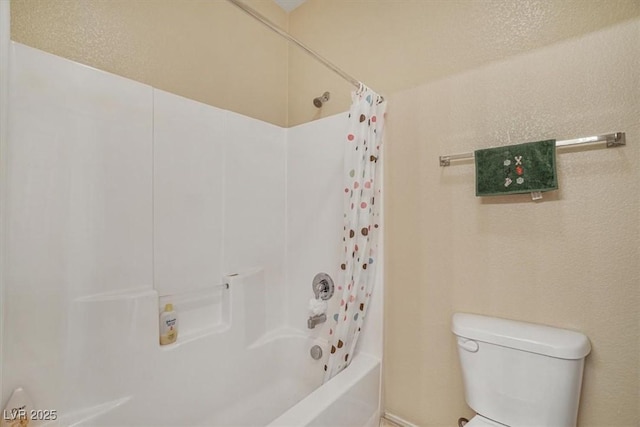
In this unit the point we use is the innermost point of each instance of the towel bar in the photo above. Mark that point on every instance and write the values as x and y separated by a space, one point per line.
615 139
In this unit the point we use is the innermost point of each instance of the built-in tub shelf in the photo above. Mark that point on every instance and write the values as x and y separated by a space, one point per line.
195 335
208 311
201 312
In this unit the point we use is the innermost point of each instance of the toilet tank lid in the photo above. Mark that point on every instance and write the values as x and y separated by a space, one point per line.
534 338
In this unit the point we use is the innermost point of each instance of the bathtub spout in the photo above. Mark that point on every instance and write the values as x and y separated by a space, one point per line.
314 320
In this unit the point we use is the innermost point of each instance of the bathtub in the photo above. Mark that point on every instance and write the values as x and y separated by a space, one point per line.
235 374
349 399
276 383
288 389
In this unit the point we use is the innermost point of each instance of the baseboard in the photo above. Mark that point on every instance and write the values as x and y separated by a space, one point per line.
398 421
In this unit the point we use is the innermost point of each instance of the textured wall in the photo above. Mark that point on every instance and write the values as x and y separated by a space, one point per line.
209 51
398 44
571 260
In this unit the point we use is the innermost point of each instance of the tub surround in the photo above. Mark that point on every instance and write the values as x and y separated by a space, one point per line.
122 198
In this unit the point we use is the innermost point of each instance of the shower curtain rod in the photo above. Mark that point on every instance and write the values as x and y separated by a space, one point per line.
289 37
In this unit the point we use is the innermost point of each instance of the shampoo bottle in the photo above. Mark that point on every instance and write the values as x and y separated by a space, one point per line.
168 325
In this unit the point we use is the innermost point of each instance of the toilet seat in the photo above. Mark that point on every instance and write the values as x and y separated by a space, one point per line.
480 421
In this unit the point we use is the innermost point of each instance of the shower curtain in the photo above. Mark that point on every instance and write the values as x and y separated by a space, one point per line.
361 226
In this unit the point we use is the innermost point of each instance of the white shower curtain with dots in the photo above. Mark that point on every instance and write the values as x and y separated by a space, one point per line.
361 226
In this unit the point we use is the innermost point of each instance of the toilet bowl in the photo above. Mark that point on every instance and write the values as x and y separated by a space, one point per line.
520 374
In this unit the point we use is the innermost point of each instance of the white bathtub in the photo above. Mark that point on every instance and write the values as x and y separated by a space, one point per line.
349 399
236 374
289 390
275 383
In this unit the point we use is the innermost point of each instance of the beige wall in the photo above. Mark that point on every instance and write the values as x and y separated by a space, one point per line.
398 44
207 50
571 260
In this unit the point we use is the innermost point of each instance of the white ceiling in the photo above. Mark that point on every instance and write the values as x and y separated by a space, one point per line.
289 5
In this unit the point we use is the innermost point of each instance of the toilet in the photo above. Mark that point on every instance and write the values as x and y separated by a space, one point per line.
519 374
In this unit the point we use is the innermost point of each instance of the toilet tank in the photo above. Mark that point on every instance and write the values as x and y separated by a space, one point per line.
520 374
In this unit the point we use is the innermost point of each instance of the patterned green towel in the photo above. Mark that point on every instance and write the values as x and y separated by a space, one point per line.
522 168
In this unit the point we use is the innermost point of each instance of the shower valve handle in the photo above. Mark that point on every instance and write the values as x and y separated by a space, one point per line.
323 287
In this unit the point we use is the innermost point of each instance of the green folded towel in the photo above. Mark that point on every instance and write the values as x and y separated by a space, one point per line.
521 168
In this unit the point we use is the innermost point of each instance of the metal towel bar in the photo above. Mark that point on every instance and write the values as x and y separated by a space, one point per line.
615 139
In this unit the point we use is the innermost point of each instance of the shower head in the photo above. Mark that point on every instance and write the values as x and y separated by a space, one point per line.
321 99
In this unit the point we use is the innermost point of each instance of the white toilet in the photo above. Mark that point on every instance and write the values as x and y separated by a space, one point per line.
520 374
